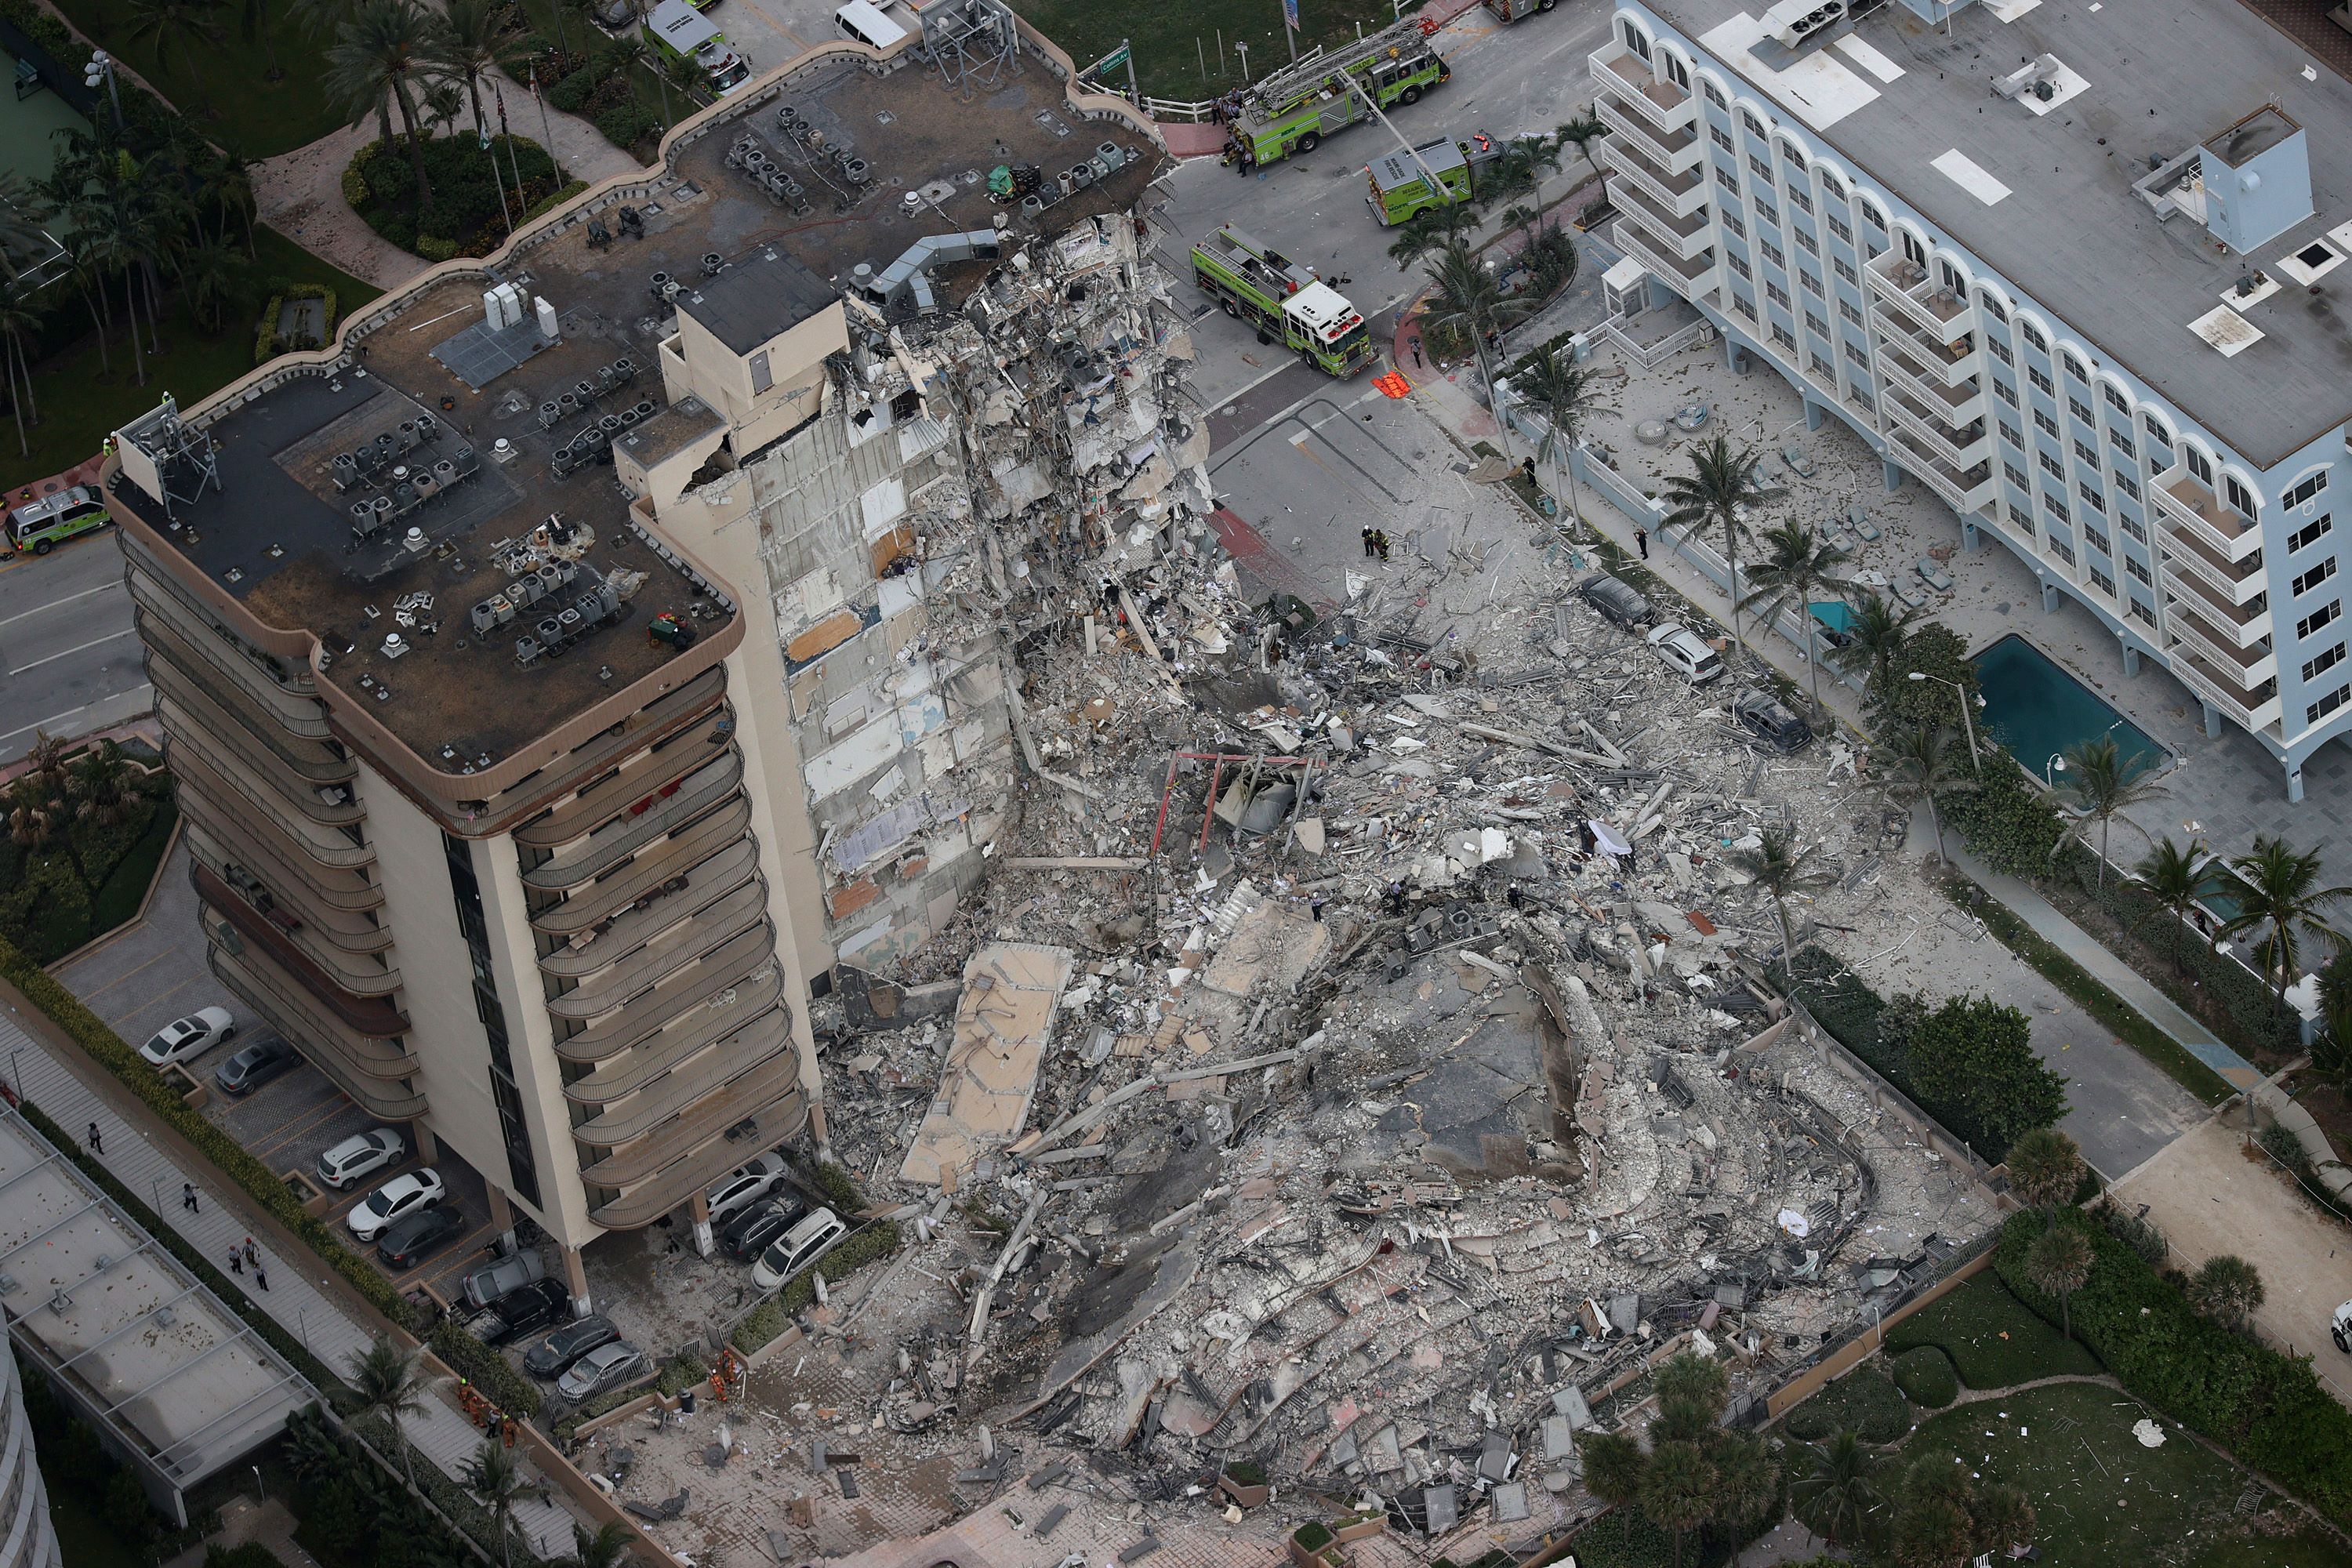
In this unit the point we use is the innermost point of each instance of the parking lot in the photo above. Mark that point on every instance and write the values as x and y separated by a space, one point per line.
154 972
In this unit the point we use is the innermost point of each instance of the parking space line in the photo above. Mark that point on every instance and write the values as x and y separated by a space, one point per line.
101 989
55 604
318 1114
78 647
137 1007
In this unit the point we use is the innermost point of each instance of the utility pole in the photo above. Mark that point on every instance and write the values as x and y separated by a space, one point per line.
1133 91
1290 27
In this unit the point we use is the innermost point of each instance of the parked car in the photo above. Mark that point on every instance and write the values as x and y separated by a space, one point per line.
1768 717
747 1185
797 1248
523 1310
1684 653
423 1233
184 1037
362 1154
2341 1328
396 1200
553 1355
1615 599
492 1280
607 1367
255 1066
749 1233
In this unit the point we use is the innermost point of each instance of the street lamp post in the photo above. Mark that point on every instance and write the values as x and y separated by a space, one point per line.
2056 764
101 68
1968 718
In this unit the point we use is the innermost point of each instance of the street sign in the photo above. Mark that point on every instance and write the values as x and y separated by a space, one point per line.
1110 61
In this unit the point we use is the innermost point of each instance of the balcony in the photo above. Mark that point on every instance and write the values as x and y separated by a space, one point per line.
1963 490
1676 152
590 950
655 1174
379 1074
1953 366
625 1074
1687 278
605 799
673 806
757 1043
1689 237
2187 500
349 930
232 749
244 903
650 1012
1681 195
693 935
164 626
2246 650
1626 76
2257 708
2193 561
1940 313
1962 448
264 815
699 701
689 1033
309 761
2242 626
591 905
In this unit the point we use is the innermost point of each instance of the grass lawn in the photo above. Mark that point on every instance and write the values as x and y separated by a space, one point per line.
45 910
2101 1499
1164 67
81 403
1993 1341
85 1535
1864 1401
224 87
2310 1550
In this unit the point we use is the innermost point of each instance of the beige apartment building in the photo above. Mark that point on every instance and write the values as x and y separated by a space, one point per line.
611 639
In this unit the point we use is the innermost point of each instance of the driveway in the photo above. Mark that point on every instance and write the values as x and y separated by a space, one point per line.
2209 1196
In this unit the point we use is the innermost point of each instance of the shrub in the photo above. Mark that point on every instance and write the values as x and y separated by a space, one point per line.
681 1372
555 198
2009 823
1973 1062
1312 1536
355 184
571 94
2267 1408
471 200
488 1371
435 250
1925 1375
1864 1402
2134 1231
765 1321
626 124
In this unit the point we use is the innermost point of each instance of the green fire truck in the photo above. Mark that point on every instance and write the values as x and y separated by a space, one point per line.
1295 108
1285 302
1399 182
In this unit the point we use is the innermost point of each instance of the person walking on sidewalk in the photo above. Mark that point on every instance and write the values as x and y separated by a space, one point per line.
97 1144
1642 542
188 1197
252 1253
261 1276
236 1261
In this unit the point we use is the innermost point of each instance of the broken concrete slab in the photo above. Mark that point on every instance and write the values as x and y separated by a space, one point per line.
1011 994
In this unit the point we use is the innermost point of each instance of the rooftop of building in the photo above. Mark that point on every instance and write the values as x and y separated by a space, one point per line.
278 533
188 1384
2042 190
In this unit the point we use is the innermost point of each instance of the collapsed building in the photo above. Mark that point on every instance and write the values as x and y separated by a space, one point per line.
647 594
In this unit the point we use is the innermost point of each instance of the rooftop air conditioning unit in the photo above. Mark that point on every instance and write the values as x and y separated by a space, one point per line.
1793 21
2036 78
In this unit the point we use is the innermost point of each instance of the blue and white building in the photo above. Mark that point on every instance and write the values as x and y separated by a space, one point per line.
2072 266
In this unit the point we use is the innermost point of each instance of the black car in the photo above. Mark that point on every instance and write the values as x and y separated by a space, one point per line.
412 1240
255 1066
553 1357
525 1310
1759 711
748 1234
1618 600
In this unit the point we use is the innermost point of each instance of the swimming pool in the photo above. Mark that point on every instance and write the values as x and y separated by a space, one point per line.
2038 711
28 144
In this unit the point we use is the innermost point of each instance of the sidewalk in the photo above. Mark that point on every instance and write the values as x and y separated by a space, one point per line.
302 1303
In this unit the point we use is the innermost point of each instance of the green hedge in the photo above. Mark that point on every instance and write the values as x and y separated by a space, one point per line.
555 198
268 343
626 124
1864 1402
145 114
1925 1375
488 1371
765 1322
874 1241
2266 1408
320 1374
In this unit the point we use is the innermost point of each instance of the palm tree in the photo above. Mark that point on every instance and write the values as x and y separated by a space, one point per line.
389 1382
1429 229
2100 786
686 75
1720 482
111 243
231 179
2228 1289
214 274
1798 563
1835 1489
1678 1490
608 1548
100 785
1525 219
495 1476
2059 1264
1466 297
1780 868
1919 767
20 314
625 52
383 53
1748 1481
2002 1518
1614 1462
2174 877
2283 892
21 235
467 40
1566 393
1580 134
1874 639
166 26
2045 1167
253 21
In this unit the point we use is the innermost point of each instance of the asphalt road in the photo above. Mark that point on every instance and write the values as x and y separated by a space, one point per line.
68 660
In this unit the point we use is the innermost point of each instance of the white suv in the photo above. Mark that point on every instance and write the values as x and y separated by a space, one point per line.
746 1185
1684 653
798 1247
362 1154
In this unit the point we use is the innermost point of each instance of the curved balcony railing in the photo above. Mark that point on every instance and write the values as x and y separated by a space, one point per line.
587 906
182 640
698 793
233 750
699 701
199 773
707 882
638 779
378 1073
308 759
671 1094
351 931
688 1032
688 1151
270 857
632 1024
687 941
679 1045
362 977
